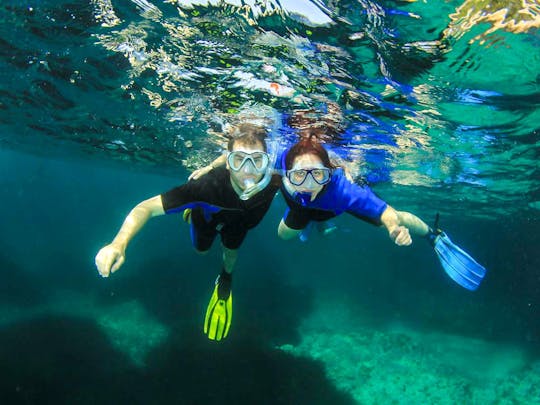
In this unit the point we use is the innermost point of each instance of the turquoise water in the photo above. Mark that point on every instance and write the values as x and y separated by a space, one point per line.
105 103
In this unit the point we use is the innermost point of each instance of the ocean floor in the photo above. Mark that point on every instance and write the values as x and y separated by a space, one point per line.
392 364
128 326
396 364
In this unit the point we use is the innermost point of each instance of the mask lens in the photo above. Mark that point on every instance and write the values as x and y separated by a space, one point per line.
321 176
259 160
297 177
236 160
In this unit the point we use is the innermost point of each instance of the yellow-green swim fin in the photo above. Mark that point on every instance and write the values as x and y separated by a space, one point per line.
219 312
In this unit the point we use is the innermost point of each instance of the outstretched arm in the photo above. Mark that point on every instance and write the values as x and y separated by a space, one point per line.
400 223
220 161
111 257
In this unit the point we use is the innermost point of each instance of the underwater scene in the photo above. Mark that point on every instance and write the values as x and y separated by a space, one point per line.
428 108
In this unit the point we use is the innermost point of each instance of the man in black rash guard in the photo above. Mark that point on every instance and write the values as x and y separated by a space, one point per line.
227 201
216 208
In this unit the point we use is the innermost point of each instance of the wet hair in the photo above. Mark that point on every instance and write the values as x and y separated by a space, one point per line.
307 146
249 135
326 127
303 117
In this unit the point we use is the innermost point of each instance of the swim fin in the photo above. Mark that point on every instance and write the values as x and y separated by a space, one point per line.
457 263
219 312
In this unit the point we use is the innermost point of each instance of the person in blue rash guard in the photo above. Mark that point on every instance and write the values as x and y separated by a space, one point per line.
227 201
315 190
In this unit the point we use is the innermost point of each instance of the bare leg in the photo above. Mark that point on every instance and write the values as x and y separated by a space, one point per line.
286 233
229 258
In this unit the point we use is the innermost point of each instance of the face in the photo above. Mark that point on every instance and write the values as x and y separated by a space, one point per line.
248 166
307 174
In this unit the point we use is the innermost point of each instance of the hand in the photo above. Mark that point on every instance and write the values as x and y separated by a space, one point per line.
109 259
200 172
401 236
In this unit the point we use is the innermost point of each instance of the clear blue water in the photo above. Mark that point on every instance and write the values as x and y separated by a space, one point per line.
103 104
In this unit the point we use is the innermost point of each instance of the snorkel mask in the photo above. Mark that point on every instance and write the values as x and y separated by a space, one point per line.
255 163
320 176
307 177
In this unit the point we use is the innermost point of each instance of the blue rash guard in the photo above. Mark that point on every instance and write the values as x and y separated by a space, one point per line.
338 196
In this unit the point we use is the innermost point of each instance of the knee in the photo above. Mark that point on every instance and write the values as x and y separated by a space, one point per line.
230 252
201 252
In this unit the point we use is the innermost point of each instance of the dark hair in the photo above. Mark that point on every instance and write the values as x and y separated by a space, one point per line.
307 146
249 135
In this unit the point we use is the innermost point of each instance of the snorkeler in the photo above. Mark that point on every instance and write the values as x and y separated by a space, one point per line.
316 191
227 201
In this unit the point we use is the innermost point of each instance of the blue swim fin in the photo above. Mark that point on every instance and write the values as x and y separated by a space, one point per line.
457 263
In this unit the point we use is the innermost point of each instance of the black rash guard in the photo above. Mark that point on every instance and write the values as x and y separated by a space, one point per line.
217 208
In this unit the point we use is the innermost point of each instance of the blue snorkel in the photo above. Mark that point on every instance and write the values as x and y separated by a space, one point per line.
302 198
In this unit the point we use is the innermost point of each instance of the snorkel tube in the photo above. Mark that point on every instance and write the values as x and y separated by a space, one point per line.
271 119
253 188
302 198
